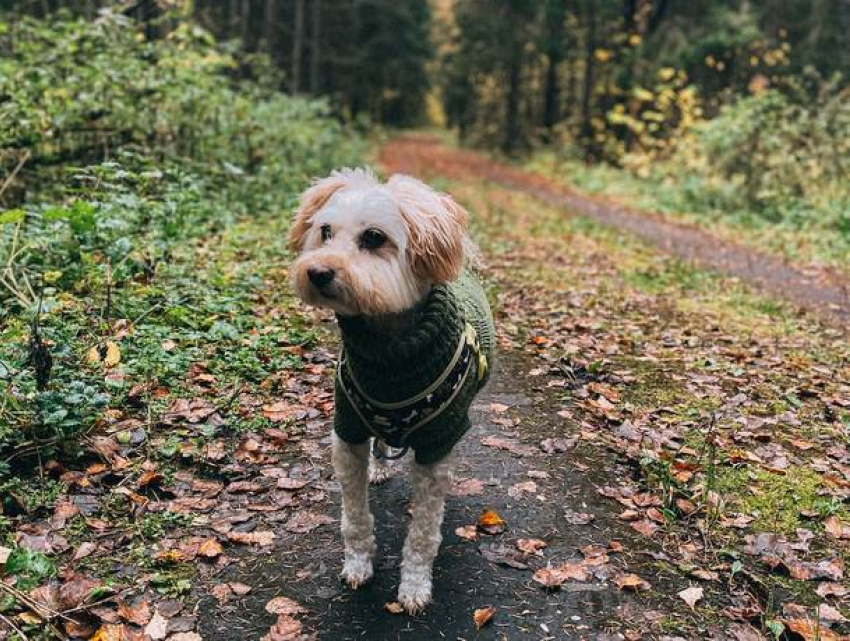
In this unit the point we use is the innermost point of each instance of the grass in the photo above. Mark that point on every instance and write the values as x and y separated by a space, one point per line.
798 242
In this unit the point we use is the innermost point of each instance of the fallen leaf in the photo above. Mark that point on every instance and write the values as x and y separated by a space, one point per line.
632 582
139 614
263 539
185 636
468 487
491 523
284 605
499 407
691 595
502 555
835 528
525 487
645 527
239 589
4 554
285 629
531 546
578 518
210 549
812 630
110 632
222 592
832 589
306 521
468 532
482 616
157 628
550 577
393 607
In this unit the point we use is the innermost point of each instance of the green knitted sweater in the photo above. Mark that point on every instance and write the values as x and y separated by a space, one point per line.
413 386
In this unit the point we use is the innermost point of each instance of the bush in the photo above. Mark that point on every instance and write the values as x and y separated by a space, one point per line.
124 149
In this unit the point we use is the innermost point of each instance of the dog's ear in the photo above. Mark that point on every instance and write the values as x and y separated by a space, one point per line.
311 201
436 227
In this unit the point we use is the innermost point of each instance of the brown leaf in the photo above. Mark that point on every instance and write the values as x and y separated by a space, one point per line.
835 528
285 629
280 411
491 523
832 589
393 607
284 605
468 532
482 616
811 630
468 487
508 444
210 549
263 539
222 592
305 521
239 589
691 595
550 577
525 487
531 546
632 582
139 614
578 518
645 527
157 628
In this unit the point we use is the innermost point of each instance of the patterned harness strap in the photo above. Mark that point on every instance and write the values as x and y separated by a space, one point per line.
394 423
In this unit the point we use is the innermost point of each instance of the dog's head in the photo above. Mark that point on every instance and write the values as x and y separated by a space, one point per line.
370 248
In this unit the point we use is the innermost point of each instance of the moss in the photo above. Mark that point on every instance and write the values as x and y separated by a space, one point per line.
775 500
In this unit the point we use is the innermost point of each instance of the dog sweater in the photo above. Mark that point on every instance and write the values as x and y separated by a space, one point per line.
413 388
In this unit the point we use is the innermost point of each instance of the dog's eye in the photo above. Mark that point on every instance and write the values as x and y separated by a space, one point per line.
326 233
372 239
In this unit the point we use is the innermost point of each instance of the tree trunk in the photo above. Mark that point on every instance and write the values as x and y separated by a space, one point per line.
589 72
297 47
315 46
551 95
512 132
271 23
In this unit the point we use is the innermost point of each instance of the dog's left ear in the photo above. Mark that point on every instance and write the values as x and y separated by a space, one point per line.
436 228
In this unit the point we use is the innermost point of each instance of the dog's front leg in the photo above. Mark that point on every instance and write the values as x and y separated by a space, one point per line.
351 465
430 484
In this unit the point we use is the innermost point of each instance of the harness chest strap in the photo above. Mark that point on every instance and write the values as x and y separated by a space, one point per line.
394 423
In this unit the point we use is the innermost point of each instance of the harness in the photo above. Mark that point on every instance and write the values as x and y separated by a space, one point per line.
394 423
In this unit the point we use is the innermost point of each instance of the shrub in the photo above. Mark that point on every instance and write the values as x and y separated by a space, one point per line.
124 150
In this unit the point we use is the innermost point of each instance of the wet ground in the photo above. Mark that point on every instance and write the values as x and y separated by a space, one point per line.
305 567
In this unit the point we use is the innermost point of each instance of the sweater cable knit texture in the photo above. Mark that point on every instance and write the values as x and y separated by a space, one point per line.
391 367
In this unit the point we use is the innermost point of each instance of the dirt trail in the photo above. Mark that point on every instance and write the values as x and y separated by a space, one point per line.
521 410
819 291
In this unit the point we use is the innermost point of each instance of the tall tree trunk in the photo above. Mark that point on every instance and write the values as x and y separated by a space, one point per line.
555 11
512 133
270 28
297 47
315 46
589 71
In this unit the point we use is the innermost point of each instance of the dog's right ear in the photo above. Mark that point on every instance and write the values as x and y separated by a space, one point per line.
311 201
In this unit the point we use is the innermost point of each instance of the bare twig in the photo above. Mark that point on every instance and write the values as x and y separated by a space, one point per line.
11 177
8 622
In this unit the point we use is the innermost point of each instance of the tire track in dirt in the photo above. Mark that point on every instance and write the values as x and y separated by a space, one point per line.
817 290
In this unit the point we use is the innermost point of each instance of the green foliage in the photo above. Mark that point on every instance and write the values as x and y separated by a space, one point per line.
29 568
100 222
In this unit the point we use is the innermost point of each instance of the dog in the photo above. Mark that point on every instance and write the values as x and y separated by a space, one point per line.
394 262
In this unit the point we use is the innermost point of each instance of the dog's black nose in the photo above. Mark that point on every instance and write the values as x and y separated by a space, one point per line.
321 276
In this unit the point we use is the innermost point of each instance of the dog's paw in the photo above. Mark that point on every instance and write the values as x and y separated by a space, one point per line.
414 594
356 571
379 474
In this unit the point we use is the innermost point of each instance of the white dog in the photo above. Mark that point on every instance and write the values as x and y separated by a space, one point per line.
417 334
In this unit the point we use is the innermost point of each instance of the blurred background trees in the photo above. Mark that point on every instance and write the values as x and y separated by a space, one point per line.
743 103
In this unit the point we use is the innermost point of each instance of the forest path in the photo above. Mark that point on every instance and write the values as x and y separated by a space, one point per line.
630 392
821 291
544 485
